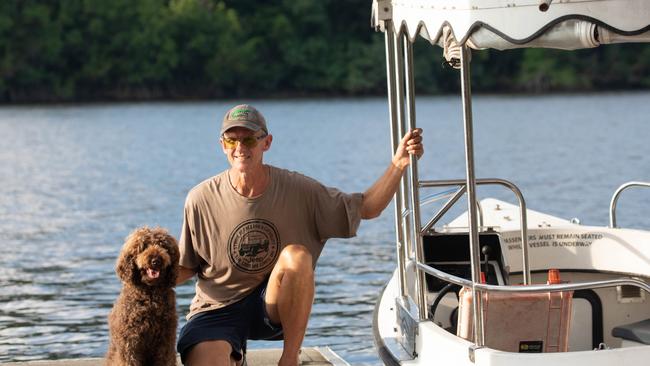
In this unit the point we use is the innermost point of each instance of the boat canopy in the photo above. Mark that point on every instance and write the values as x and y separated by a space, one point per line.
507 24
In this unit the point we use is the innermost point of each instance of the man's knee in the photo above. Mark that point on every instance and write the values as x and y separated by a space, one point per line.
210 353
296 257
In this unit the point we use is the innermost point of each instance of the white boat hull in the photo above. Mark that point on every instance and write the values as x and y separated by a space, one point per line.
601 254
436 346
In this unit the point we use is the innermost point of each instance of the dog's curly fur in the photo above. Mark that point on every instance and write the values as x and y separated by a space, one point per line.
143 321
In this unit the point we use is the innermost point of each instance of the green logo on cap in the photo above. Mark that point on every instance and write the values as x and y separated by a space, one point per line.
239 113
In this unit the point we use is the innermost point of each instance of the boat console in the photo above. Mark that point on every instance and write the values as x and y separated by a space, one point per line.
450 253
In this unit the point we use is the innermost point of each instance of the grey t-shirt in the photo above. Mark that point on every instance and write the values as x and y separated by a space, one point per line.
233 241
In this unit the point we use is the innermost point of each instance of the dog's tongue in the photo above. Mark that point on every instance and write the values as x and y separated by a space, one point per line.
152 273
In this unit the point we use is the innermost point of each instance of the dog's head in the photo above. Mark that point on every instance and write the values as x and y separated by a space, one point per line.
149 257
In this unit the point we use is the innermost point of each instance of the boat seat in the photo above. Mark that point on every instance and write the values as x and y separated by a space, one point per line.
637 332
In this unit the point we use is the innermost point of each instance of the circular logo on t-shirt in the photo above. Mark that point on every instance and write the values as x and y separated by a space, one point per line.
254 245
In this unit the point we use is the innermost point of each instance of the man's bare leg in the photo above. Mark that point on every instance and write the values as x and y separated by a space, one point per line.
211 353
289 297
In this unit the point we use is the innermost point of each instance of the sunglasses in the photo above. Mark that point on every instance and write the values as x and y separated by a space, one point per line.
248 141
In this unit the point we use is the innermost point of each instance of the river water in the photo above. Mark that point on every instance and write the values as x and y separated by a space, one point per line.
75 180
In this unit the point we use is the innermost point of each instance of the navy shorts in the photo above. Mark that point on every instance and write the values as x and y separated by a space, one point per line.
235 323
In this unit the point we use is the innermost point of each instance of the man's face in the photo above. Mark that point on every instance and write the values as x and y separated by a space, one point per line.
245 148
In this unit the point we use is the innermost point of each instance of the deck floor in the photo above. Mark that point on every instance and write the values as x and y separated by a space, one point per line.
314 356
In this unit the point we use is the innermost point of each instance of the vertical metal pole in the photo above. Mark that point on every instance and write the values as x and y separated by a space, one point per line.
471 195
404 184
392 97
524 240
414 178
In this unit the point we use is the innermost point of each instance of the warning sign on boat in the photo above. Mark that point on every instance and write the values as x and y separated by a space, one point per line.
553 240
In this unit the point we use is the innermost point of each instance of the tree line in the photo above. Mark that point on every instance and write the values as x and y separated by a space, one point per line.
87 50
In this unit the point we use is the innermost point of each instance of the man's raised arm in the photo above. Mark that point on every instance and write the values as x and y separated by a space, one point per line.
377 197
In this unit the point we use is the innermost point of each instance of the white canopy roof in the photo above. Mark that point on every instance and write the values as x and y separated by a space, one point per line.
567 24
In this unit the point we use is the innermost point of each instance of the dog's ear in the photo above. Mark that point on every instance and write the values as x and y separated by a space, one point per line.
125 266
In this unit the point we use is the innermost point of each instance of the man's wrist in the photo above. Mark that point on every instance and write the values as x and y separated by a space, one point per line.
399 165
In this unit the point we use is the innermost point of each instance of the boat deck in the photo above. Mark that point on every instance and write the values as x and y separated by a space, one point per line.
314 356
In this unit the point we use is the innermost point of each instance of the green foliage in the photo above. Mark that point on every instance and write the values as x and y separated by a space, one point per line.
544 69
79 50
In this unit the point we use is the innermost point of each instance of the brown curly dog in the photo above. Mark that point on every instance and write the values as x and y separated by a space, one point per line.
143 321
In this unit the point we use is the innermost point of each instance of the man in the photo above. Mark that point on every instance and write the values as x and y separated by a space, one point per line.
253 234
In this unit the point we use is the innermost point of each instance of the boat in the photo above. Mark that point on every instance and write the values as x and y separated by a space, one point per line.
502 284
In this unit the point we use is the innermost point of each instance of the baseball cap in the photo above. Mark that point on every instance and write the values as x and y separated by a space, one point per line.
244 115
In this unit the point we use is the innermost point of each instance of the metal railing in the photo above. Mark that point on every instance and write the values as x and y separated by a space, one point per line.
533 288
617 193
484 181
454 196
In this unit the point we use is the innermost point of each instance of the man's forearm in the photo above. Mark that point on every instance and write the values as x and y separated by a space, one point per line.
377 197
184 274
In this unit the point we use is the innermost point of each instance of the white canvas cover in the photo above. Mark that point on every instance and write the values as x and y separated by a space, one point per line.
504 24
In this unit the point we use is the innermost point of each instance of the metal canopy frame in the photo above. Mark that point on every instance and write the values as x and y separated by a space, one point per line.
401 101
409 231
